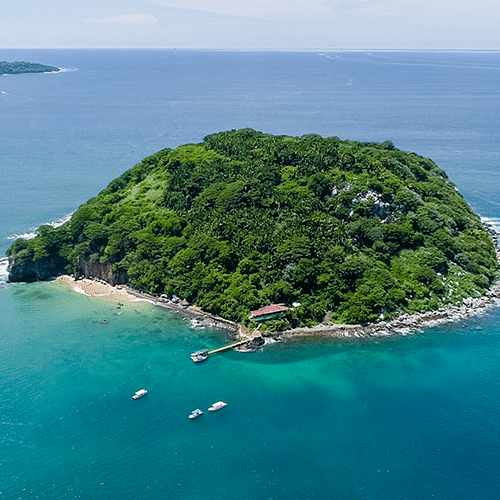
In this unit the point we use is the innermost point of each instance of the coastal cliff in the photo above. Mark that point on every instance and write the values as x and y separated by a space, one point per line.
353 232
28 270
104 272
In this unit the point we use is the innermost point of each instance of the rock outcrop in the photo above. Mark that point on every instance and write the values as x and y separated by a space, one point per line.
27 270
104 272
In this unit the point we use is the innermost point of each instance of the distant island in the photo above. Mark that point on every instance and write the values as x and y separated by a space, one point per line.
321 229
18 67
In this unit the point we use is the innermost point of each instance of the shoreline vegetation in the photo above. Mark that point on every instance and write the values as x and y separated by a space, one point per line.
21 67
404 324
334 232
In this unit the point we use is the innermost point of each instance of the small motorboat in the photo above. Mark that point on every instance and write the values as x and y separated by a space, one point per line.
217 406
199 356
140 394
195 413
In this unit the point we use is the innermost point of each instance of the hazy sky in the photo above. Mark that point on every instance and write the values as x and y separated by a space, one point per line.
251 24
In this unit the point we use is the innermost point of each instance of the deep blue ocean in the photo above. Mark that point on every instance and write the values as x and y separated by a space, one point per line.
411 417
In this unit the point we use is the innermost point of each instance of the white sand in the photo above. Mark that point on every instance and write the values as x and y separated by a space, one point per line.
98 289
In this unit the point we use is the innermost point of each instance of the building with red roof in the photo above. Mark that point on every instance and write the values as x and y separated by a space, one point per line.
274 311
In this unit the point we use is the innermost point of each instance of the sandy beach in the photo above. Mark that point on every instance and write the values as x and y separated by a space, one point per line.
123 293
96 288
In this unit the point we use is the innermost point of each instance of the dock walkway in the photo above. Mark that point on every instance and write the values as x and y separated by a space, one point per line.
228 346
247 338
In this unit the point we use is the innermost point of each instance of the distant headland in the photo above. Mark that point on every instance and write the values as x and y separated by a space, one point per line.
327 231
19 67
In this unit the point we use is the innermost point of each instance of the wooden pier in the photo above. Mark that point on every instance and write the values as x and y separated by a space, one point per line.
205 353
228 346
256 338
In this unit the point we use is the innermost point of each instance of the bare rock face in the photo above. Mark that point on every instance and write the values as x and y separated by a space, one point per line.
102 271
27 270
380 209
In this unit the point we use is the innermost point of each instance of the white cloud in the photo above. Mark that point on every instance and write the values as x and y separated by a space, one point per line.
265 9
130 20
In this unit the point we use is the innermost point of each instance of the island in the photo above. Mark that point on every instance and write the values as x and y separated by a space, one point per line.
19 67
277 231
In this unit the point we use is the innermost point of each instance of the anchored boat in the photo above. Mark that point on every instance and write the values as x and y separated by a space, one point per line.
199 356
217 406
140 394
195 413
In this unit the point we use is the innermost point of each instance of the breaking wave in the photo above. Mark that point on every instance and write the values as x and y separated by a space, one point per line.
4 262
493 222
31 233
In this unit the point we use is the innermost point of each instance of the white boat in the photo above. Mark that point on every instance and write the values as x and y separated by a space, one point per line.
140 394
217 406
195 413
199 356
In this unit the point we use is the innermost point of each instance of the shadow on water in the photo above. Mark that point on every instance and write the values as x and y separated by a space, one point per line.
29 293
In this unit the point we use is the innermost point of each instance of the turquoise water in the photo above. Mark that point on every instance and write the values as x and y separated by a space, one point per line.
407 417
412 418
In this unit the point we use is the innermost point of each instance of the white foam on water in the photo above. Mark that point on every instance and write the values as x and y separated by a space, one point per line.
31 233
493 223
144 300
4 275
195 323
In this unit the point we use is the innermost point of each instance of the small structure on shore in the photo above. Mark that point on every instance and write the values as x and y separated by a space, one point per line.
274 311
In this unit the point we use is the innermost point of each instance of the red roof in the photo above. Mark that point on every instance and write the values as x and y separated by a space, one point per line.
272 309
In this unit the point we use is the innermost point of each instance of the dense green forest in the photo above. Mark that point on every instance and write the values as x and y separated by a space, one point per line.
244 219
17 67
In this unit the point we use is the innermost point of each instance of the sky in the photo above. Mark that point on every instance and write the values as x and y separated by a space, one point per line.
251 24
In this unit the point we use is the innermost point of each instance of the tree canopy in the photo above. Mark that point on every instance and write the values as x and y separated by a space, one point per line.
17 67
245 219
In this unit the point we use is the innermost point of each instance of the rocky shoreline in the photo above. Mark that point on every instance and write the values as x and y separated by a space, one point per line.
199 317
404 324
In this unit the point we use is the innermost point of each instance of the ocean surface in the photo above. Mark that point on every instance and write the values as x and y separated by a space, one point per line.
408 417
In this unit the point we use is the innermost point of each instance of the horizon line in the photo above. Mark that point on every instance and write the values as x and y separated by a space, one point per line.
213 49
